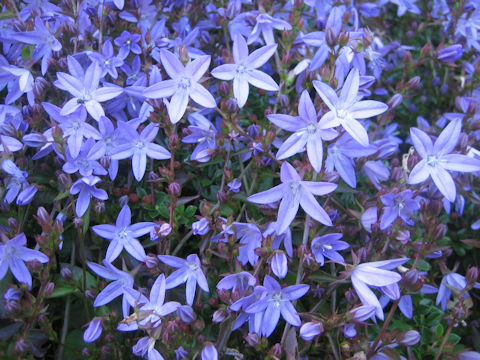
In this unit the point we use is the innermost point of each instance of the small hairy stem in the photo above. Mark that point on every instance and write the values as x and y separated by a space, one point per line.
384 328
444 340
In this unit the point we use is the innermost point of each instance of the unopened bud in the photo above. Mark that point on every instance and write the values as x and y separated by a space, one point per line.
186 314
435 207
221 197
426 49
472 275
395 101
409 338
225 88
232 105
439 232
174 189
252 339
49 288
413 83
331 37
20 346
219 316
66 273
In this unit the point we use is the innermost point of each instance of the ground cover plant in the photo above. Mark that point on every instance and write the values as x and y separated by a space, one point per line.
239 179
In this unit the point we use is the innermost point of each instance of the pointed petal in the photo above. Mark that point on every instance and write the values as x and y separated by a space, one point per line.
134 248
313 208
448 138
202 96
178 105
171 64
202 280
260 56
190 289
327 94
376 276
419 173
367 297
157 152
172 261
106 93
288 210
349 90
306 109
161 89
261 80
422 142
269 196
315 152
239 49
319 188
294 144
459 162
69 83
198 67
288 173
27 254
110 292
295 292
20 271
124 217
356 130
176 278
287 122
290 314
114 249
367 108
444 182
240 90
225 72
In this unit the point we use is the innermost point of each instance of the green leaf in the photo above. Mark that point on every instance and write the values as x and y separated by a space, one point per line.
7 14
61 196
438 331
423 265
61 291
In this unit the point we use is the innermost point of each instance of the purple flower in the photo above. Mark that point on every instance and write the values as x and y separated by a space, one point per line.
128 42
326 246
200 227
13 255
450 53
436 159
244 70
85 162
93 331
402 204
74 127
182 85
189 271
346 109
107 60
209 352
204 133
124 236
17 182
449 281
279 264
241 281
295 192
44 41
234 186
375 274
286 238
341 154
180 353
265 25
83 85
145 347
85 188
121 282
139 146
250 239
156 306
275 302
310 330
308 132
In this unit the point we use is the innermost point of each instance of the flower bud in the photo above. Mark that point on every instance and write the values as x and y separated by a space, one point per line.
413 83
99 206
224 88
20 346
276 350
279 265
439 232
66 273
174 189
34 140
395 101
426 49
221 197
219 316
411 278
209 352
310 330
93 331
186 314
435 207
409 338
49 287
472 275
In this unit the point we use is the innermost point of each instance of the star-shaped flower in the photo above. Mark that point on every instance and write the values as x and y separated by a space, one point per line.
437 160
13 254
294 192
182 85
307 131
124 235
346 108
244 70
189 271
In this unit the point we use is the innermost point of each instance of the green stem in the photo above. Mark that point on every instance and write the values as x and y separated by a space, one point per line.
444 340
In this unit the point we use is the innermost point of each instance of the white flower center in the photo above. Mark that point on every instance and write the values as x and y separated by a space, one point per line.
123 234
241 69
76 125
192 266
432 160
311 128
342 113
140 144
185 83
